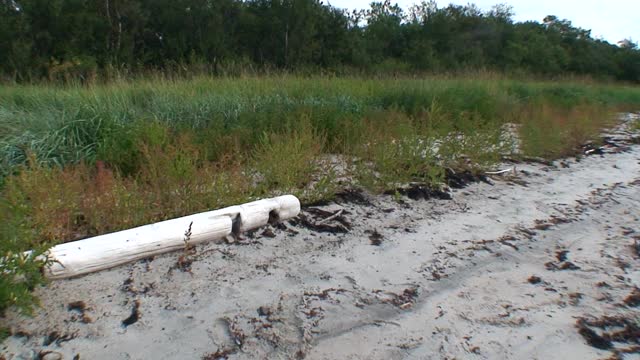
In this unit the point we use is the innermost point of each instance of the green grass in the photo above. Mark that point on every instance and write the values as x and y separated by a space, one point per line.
635 126
81 161
551 133
68 125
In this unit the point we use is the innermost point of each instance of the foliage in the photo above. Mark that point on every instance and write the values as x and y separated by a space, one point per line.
21 276
474 144
553 133
19 272
392 152
635 125
287 161
84 41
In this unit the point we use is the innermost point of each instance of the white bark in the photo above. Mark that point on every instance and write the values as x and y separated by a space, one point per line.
106 251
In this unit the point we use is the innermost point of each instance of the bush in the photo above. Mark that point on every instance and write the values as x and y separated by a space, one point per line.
391 151
287 160
552 132
21 274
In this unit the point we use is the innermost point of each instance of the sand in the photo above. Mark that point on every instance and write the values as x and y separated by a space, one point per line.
542 262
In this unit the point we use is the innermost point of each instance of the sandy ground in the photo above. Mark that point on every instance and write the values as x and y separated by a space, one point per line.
544 263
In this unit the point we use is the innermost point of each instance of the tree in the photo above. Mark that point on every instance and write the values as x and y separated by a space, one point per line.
71 39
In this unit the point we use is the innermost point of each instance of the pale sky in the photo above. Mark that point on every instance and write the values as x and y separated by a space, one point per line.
612 20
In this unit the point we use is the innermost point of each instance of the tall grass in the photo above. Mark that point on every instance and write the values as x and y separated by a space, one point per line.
73 124
550 132
79 161
171 139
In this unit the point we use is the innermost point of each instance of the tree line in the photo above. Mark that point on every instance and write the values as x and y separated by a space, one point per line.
87 39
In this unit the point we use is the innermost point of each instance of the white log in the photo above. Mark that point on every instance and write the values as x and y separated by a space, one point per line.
513 169
106 251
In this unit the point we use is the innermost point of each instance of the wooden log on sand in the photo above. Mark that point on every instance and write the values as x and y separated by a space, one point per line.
106 251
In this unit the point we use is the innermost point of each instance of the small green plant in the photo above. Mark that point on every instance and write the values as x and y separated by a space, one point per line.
4 333
286 161
397 196
322 187
635 125
20 274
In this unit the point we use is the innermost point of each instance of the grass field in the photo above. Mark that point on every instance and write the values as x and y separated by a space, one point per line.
81 161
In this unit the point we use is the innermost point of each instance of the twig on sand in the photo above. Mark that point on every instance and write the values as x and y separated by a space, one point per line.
338 213
500 172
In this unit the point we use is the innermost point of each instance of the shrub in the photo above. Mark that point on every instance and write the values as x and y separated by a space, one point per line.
286 161
474 144
552 132
21 274
391 152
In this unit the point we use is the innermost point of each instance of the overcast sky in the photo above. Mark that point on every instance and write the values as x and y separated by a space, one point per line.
612 20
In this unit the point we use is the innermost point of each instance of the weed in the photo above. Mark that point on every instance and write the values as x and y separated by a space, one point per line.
20 276
391 153
635 125
473 144
287 161
323 185
552 133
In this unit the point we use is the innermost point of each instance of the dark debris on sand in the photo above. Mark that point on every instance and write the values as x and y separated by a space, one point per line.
375 237
421 192
611 333
459 180
135 315
633 300
323 221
